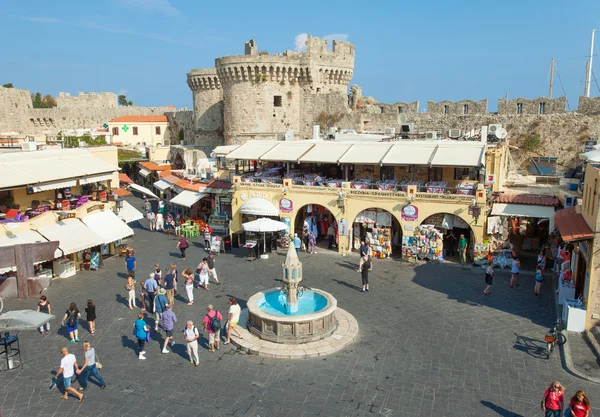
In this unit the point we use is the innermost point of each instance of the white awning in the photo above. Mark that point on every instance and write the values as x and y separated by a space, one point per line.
459 156
371 153
524 210
144 172
287 151
72 234
143 190
162 185
258 207
20 238
10 177
89 166
325 153
108 226
224 150
95 178
187 198
130 213
408 154
53 185
252 150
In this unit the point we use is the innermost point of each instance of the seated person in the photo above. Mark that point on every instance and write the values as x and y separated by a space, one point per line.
87 257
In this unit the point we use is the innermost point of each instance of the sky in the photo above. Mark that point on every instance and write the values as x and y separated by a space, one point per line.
405 51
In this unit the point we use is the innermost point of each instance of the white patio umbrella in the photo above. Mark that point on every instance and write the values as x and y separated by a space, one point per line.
22 320
264 225
592 156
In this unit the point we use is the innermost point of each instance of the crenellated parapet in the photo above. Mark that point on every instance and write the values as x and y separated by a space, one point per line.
203 79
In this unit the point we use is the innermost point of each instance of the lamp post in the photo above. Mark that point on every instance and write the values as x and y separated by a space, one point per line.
475 210
341 201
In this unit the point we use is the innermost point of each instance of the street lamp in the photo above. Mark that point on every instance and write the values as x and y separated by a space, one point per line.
341 200
475 210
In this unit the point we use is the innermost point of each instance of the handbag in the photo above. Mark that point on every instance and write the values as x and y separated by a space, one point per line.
148 336
98 364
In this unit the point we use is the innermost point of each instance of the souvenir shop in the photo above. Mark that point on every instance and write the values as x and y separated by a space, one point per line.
380 229
426 244
432 241
316 219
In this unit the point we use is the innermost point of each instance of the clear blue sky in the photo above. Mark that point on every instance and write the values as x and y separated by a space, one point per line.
405 51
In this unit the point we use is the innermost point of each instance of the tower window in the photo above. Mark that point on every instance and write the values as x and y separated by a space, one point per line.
466 109
277 101
519 108
135 131
542 107
157 130
382 109
400 109
446 109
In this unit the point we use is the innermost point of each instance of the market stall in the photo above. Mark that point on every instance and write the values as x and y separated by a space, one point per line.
427 243
379 228
316 219
528 225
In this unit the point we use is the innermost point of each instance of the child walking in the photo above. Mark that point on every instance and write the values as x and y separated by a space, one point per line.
90 309
539 277
43 306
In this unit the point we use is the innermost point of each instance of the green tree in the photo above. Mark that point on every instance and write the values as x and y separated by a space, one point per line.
8 85
37 101
123 101
48 101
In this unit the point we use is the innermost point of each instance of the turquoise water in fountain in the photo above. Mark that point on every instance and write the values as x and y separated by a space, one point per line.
276 303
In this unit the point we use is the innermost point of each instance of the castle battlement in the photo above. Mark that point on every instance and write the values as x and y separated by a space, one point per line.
203 79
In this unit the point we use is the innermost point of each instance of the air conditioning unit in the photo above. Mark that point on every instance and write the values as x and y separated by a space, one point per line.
493 128
389 131
29 146
490 178
191 171
454 133
407 128
570 201
431 135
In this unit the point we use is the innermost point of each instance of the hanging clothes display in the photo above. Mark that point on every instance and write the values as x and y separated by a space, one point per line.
378 231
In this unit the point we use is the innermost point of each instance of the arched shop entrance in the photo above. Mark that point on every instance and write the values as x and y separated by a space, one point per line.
437 237
381 229
317 219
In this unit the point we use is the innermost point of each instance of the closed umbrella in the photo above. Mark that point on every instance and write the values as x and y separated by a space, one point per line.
264 225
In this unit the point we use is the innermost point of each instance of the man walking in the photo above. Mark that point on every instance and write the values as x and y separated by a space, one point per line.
451 239
364 253
331 235
168 323
191 338
297 243
160 306
210 261
151 287
130 263
462 248
68 366
212 325
169 285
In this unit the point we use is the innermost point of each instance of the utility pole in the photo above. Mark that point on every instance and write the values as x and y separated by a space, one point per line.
588 79
585 84
551 77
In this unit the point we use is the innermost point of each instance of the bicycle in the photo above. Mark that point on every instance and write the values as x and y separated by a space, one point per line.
554 337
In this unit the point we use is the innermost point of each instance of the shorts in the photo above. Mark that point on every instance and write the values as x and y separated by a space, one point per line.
514 273
71 328
488 279
67 382
539 280
214 336
169 333
232 323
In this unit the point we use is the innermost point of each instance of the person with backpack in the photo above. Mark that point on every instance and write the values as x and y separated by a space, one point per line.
191 340
130 287
160 305
182 245
71 320
212 325
168 323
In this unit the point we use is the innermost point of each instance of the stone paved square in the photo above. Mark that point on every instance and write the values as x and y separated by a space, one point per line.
430 344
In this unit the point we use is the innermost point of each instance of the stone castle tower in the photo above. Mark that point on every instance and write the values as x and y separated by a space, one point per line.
261 96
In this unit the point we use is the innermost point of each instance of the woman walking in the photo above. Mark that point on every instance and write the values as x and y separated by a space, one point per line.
538 280
182 245
188 276
553 400
71 320
234 318
489 278
541 259
130 287
580 405
514 270
140 331
143 293
312 243
152 220
169 223
160 222
90 310
203 272
89 368
365 275
43 306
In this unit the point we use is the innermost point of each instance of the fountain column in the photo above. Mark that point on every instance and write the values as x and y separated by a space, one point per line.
292 276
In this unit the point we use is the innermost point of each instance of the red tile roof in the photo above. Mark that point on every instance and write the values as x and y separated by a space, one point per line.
219 185
537 200
139 119
192 185
153 166
121 192
124 178
170 178
572 225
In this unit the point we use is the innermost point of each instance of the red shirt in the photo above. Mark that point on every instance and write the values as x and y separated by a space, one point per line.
211 315
579 409
553 399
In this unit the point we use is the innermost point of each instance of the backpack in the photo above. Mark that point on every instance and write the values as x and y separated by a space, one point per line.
194 329
72 320
215 323
129 288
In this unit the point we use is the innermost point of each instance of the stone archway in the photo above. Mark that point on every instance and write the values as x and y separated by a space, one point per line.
316 213
178 161
384 227
458 225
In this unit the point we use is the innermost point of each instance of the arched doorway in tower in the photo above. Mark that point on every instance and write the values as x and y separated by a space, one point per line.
381 229
449 228
178 161
316 219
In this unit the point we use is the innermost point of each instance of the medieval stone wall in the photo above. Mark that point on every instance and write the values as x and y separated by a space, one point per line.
96 100
457 108
589 105
541 105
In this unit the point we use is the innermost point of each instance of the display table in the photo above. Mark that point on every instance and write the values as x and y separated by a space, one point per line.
64 268
573 316
565 291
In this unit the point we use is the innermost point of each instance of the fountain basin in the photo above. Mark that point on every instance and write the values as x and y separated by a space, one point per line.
268 319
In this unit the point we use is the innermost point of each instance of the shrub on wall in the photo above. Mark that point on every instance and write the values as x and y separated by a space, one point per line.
531 143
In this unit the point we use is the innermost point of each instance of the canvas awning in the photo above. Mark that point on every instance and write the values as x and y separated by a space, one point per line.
89 166
325 153
524 210
47 170
258 207
403 154
108 226
252 150
224 150
187 198
162 185
287 152
144 172
10 177
130 213
459 156
96 178
20 236
571 225
53 185
72 234
371 153
143 190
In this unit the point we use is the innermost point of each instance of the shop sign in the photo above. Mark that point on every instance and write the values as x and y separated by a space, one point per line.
223 200
95 207
286 205
66 216
257 194
410 213
343 228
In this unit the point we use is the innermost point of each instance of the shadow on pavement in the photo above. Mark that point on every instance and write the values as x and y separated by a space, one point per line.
500 410
533 347
346 284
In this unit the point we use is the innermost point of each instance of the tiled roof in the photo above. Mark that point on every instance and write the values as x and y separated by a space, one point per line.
139 119
220 185
170 178
192 185
572 225
124 178
153 166
121 192
530 199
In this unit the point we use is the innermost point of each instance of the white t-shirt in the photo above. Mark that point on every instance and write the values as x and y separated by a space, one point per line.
190 333
235 309
68 365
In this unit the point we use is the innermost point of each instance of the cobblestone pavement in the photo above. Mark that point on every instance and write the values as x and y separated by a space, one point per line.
430 344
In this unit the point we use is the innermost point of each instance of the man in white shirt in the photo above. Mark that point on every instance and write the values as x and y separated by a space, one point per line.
68 366
191 337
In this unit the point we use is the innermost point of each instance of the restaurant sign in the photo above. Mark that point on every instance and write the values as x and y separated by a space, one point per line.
410 213
66 216
286 205
95 207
